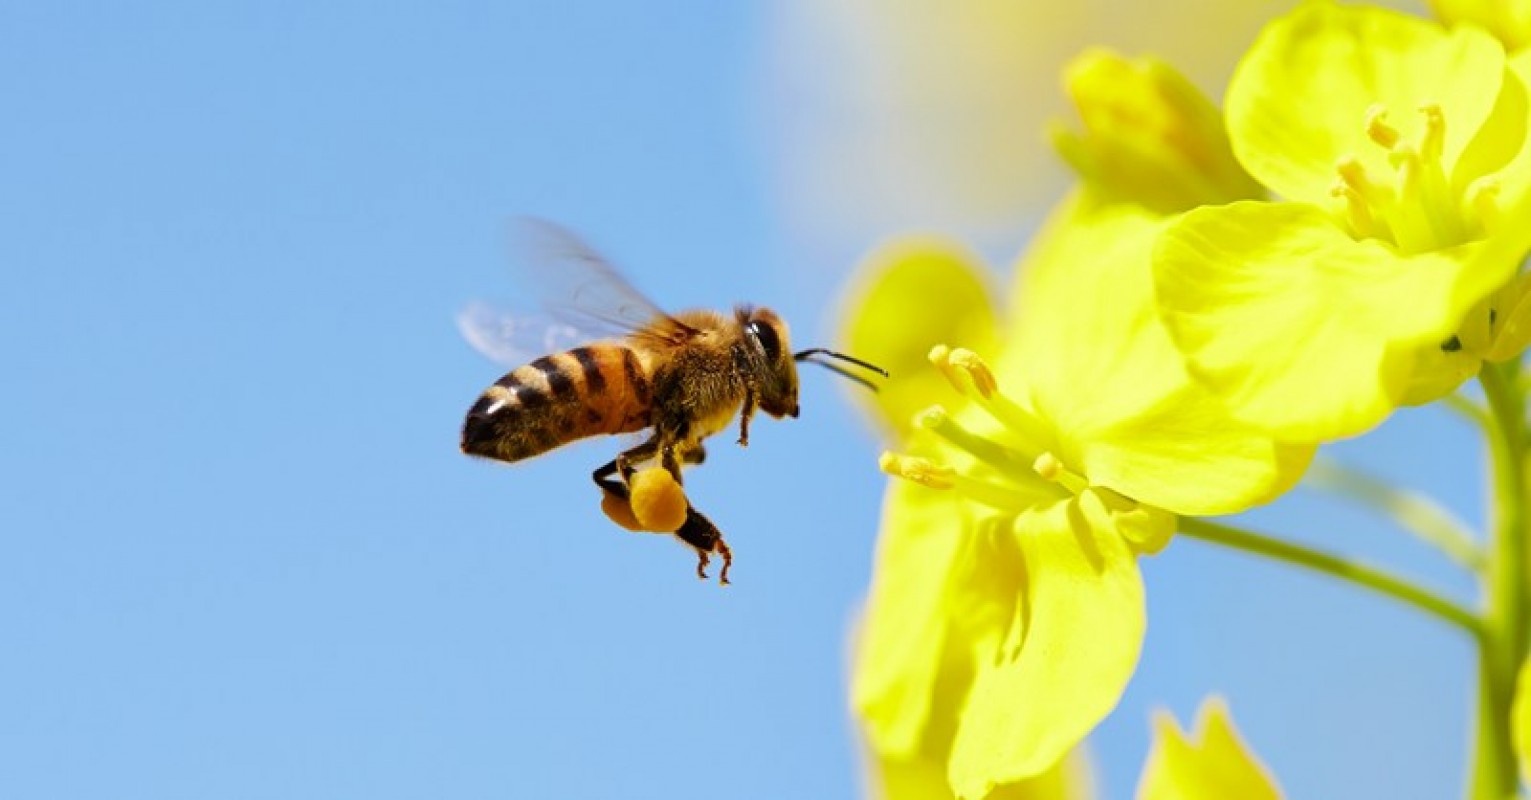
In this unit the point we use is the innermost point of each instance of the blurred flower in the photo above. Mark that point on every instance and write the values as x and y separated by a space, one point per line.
1027 502
1397 143
1213 764
1069 779
886 116
1150 137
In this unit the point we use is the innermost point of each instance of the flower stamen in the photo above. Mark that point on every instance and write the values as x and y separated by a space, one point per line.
1052 468
1415 208
1377 128
970 376
938 420
940 476
920 470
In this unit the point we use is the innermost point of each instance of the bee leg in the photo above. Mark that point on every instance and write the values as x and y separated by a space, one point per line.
744 417
694 456
637 455
704 537
607 478
670 460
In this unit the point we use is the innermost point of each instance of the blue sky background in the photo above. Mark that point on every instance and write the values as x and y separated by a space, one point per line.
241 556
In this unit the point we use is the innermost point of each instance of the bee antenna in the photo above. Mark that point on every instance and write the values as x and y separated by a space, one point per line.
806 355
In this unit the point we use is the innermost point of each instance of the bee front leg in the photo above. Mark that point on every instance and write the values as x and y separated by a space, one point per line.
744 417
704 537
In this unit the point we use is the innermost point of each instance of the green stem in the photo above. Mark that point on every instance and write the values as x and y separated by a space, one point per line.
1359 574
1468 409
1414 512
1504 645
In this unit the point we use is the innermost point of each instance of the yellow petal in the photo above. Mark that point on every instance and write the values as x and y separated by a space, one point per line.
904 644
1512 331
1301 329
1299 100
1072 644
909 296
1091 354
1509 20
1084 321
1215 764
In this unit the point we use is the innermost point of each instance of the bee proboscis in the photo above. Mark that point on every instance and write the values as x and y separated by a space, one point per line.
685 377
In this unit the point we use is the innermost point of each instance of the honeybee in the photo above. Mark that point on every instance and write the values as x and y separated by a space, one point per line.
684 377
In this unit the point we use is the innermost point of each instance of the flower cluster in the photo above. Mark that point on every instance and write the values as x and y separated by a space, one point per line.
1223 291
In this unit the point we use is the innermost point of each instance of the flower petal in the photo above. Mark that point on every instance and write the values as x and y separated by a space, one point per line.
1215 766
1098 364
1299 100
1085 324
1187 455
911 295
1510 20
1072 646
904 638
1303 330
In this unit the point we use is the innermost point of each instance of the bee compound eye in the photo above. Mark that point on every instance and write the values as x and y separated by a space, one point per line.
769 342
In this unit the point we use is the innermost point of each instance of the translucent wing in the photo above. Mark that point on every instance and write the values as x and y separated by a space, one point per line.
578 285
513 338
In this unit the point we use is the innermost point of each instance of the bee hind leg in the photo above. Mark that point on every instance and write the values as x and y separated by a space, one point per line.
704 537
609 479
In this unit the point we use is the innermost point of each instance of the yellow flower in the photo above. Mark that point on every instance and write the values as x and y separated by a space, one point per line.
1214 764
1398 146
1150 137
1007 609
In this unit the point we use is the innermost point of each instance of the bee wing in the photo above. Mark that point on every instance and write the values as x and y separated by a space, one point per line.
578 285
511 338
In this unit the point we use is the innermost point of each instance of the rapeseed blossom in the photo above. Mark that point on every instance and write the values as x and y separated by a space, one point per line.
1386 273
1007 611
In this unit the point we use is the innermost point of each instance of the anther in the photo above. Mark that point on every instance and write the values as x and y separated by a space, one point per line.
955 361
1051 468
1353 175
920 470
1377 128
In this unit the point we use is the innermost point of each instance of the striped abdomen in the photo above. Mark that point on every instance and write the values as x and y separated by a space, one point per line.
599 388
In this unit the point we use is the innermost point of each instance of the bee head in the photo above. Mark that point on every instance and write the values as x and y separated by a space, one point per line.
766 337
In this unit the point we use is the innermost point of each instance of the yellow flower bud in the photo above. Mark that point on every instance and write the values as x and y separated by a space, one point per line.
1150 136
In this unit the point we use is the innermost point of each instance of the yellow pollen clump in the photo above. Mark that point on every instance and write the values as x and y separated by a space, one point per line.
658 502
